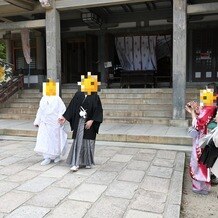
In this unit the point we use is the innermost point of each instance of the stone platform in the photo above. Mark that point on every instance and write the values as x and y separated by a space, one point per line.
114 132
127 181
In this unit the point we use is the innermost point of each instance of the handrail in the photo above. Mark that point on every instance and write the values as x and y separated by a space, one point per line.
11 87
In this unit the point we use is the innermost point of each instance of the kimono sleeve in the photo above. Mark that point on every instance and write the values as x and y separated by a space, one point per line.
38 115
98 111
205 117
69 114
97 114
61 108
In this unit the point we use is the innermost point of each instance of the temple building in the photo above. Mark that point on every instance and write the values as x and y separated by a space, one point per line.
140 43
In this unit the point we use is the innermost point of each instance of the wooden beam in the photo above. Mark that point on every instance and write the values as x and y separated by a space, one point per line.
25 4
139 16
75 4
23 24
207 8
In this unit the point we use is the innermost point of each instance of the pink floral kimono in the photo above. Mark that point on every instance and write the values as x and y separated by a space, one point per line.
199 172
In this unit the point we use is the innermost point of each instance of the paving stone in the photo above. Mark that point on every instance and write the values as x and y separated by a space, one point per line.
24 153
70 181
175 192
153 184
150 201
162 172
144 157
2 215
29 211
163 162
23 176
166 154
38 167
50 197
148 151
12 200
141 214
6 186
113 166
130 151
106 153
3 155
2 177
12 169
122 189
56 172
101 160
70 208
180 161
138 165
102 177
37 184
86 172
31 160
172 211
121 158
88 192
10 160
108 207
131 175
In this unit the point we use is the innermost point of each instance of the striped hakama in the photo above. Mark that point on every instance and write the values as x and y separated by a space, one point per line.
82 150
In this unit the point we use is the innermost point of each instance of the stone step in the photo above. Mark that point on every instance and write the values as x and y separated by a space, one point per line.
137 113
17 111
152 139
163 107
138 120
135 101
35 105
107 112
118 90
112 101
27 100
17 116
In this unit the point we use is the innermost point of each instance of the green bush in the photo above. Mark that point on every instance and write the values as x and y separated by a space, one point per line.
2 51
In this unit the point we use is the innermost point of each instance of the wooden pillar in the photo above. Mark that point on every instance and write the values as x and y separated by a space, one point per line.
53 44
101 56
7 40
40 52
179 60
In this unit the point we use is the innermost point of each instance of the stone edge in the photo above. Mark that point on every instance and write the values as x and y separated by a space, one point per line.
174 200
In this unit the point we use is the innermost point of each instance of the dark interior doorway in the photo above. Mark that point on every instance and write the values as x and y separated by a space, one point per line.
80 55
205 55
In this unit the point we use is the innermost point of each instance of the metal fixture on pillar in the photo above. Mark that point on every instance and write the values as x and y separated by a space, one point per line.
46 4
91 19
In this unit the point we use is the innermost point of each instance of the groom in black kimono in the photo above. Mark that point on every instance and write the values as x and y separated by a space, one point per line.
85 115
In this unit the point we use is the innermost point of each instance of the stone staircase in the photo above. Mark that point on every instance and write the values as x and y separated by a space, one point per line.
130 115
132 106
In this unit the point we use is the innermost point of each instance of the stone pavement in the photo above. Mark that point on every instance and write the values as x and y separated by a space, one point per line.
127 181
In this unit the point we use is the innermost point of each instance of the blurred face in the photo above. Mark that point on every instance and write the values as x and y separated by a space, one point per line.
89 84
207 97
51 88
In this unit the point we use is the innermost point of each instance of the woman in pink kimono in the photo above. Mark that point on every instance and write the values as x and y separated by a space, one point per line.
199 172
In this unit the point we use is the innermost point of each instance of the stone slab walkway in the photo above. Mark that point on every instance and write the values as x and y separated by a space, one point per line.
125 182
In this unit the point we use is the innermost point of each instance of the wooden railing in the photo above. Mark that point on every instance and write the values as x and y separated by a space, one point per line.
11 87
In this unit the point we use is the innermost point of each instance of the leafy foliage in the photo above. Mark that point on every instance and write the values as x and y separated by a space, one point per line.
2 51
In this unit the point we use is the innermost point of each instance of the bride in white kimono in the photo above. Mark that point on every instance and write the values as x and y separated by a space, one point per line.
51 138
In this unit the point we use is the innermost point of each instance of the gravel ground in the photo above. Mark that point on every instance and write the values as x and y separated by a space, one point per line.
194 205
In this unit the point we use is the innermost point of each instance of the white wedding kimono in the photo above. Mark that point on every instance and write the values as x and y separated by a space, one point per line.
51 138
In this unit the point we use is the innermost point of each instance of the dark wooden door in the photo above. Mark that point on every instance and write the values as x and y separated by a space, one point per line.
205 55
74 60
91 54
